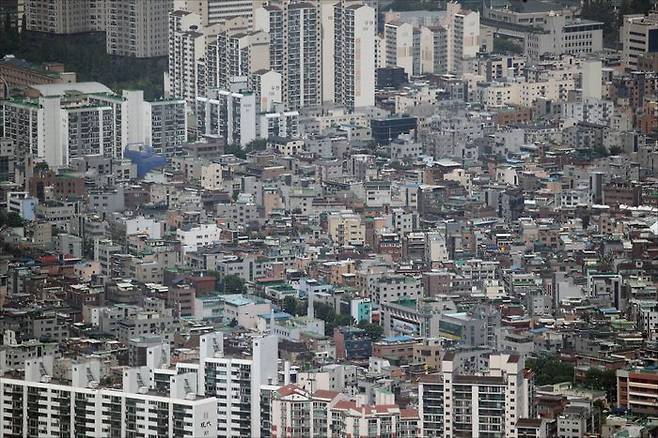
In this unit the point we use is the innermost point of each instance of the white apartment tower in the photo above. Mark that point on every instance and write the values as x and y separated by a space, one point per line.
236 55
186 48
484 404
433 50
228 115
400 46
40 405
266 84
354 63
88 119
295 50
235 382
462 35
302 57
137 28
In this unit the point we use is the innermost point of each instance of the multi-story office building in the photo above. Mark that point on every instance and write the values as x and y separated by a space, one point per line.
354 77
219 10
137 28
563 36
390 288
639 35
228 115
295 50
543 29
457 403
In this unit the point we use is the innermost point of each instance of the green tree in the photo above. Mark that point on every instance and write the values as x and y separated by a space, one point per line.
374 331
260 144
602 380
506 45
233 284
603 11
550 370
324 312
236 150
11 219
290 305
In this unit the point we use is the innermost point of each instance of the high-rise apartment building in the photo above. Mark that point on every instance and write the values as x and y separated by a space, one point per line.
463 28
458 402
295 50
217 11
65 16
235 382
37 404
236 55
438 48
302 57
187 45
228 115
216 396
400 46
73 120
354 63
165 125
133 27
13 12
137 28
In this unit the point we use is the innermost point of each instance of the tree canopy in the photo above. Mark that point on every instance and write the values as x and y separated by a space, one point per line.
10 219
374 331
233 284
550 370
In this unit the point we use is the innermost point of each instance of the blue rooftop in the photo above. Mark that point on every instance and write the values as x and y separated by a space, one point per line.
609 310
